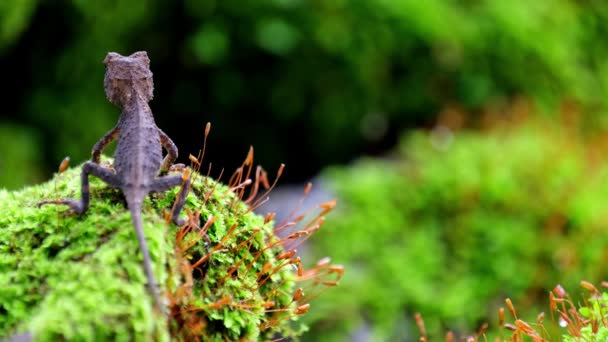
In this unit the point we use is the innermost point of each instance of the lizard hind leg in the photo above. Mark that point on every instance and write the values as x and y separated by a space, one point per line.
88 168
167 182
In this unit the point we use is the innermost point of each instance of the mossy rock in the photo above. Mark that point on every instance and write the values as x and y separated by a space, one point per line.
69 277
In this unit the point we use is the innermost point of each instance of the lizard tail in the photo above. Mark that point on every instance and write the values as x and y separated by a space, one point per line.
135 209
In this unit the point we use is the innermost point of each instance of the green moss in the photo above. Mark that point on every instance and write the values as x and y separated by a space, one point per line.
81 278
451 231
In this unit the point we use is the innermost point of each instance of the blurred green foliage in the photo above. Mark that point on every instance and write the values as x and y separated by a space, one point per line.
452 229
329 79
19 149
14 18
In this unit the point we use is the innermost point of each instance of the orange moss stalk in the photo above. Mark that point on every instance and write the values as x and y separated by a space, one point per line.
588 322
240 275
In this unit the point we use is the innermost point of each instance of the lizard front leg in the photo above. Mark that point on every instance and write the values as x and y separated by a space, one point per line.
103 143
169 145
89 168
167 182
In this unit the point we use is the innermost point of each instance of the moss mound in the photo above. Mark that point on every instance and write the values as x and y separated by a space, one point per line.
81 277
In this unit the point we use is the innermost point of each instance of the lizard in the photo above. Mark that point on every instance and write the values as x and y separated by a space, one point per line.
139 167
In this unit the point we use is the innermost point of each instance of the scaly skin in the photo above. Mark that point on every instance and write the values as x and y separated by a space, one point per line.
138 158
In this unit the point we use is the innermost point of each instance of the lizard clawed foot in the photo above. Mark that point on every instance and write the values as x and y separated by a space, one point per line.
193 219
177 167
189 221
75 207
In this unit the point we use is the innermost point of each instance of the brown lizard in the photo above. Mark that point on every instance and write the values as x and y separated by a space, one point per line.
138 158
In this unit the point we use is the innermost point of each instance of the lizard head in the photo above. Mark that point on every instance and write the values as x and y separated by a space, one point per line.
126 74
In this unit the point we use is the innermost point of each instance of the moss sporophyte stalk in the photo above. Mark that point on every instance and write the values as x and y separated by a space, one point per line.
237 276
568 322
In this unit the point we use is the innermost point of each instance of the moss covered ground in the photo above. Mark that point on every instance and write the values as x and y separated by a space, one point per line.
81 277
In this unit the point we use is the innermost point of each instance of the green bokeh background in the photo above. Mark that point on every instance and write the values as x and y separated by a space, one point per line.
451 230
317 84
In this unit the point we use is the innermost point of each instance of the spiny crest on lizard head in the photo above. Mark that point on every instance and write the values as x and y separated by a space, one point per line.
127 73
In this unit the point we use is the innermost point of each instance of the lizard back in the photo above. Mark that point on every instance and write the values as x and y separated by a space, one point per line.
128 84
